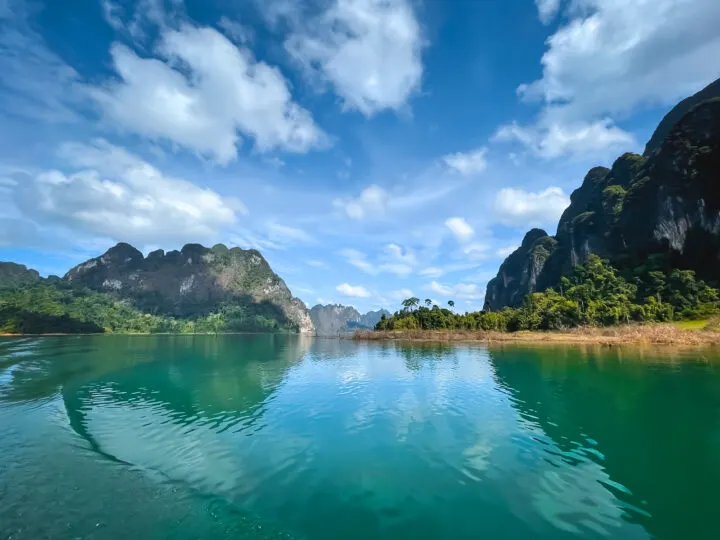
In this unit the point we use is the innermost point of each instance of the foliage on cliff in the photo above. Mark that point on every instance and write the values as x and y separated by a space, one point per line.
47 308
593 294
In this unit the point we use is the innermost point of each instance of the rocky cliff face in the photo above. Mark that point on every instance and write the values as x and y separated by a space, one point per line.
15 275
519 273
332 319
664 205
192 282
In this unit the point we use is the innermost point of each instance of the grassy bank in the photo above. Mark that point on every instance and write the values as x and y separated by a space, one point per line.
654 334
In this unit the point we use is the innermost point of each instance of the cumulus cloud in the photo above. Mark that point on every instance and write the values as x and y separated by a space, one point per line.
610 58
461 290
368 50
555 139
113 193
201 91
468 163
519 207
371 201
355 291
460 228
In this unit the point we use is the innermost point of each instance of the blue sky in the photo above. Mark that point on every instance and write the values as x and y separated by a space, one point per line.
370 149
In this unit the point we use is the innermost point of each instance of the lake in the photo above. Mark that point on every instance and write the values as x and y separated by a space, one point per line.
262 436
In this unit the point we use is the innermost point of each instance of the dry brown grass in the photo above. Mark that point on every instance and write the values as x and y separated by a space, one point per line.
651 334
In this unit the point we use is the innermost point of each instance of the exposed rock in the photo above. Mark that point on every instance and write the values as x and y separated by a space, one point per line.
193 282
664 206
519 273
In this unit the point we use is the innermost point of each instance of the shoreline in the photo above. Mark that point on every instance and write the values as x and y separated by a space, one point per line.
657 334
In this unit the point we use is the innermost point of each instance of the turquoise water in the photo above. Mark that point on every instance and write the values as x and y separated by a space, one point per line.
285 437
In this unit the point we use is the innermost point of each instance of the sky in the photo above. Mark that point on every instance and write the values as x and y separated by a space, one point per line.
372 150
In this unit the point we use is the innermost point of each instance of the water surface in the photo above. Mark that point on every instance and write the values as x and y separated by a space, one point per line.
262 436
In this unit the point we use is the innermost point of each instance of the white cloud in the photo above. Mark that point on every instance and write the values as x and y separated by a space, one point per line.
460 228
350 290
401 255
460 290
359 260
368 50
237 32
476 251
519 207
315 263
286 234
116 194
468 163
505 251
547 10
371 201
200 91
400 295
398 269
555 139
610 58
432 272
397 260
393 260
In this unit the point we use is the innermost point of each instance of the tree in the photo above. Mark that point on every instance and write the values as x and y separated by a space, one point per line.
451 303
410 303
428 302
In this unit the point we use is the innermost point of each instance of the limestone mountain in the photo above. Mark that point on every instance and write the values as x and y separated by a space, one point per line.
371 318
662 208
14 275
335 319
194 282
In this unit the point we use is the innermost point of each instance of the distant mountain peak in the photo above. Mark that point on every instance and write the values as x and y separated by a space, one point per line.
334 319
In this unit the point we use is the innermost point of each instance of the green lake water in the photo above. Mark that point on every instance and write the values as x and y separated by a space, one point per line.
261 436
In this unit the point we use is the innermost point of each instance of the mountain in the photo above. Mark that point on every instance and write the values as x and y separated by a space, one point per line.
334 319
196 289
371 318
193 282
676 113
15 275
659 210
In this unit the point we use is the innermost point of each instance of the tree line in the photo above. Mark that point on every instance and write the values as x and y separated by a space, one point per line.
46 308
594 294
